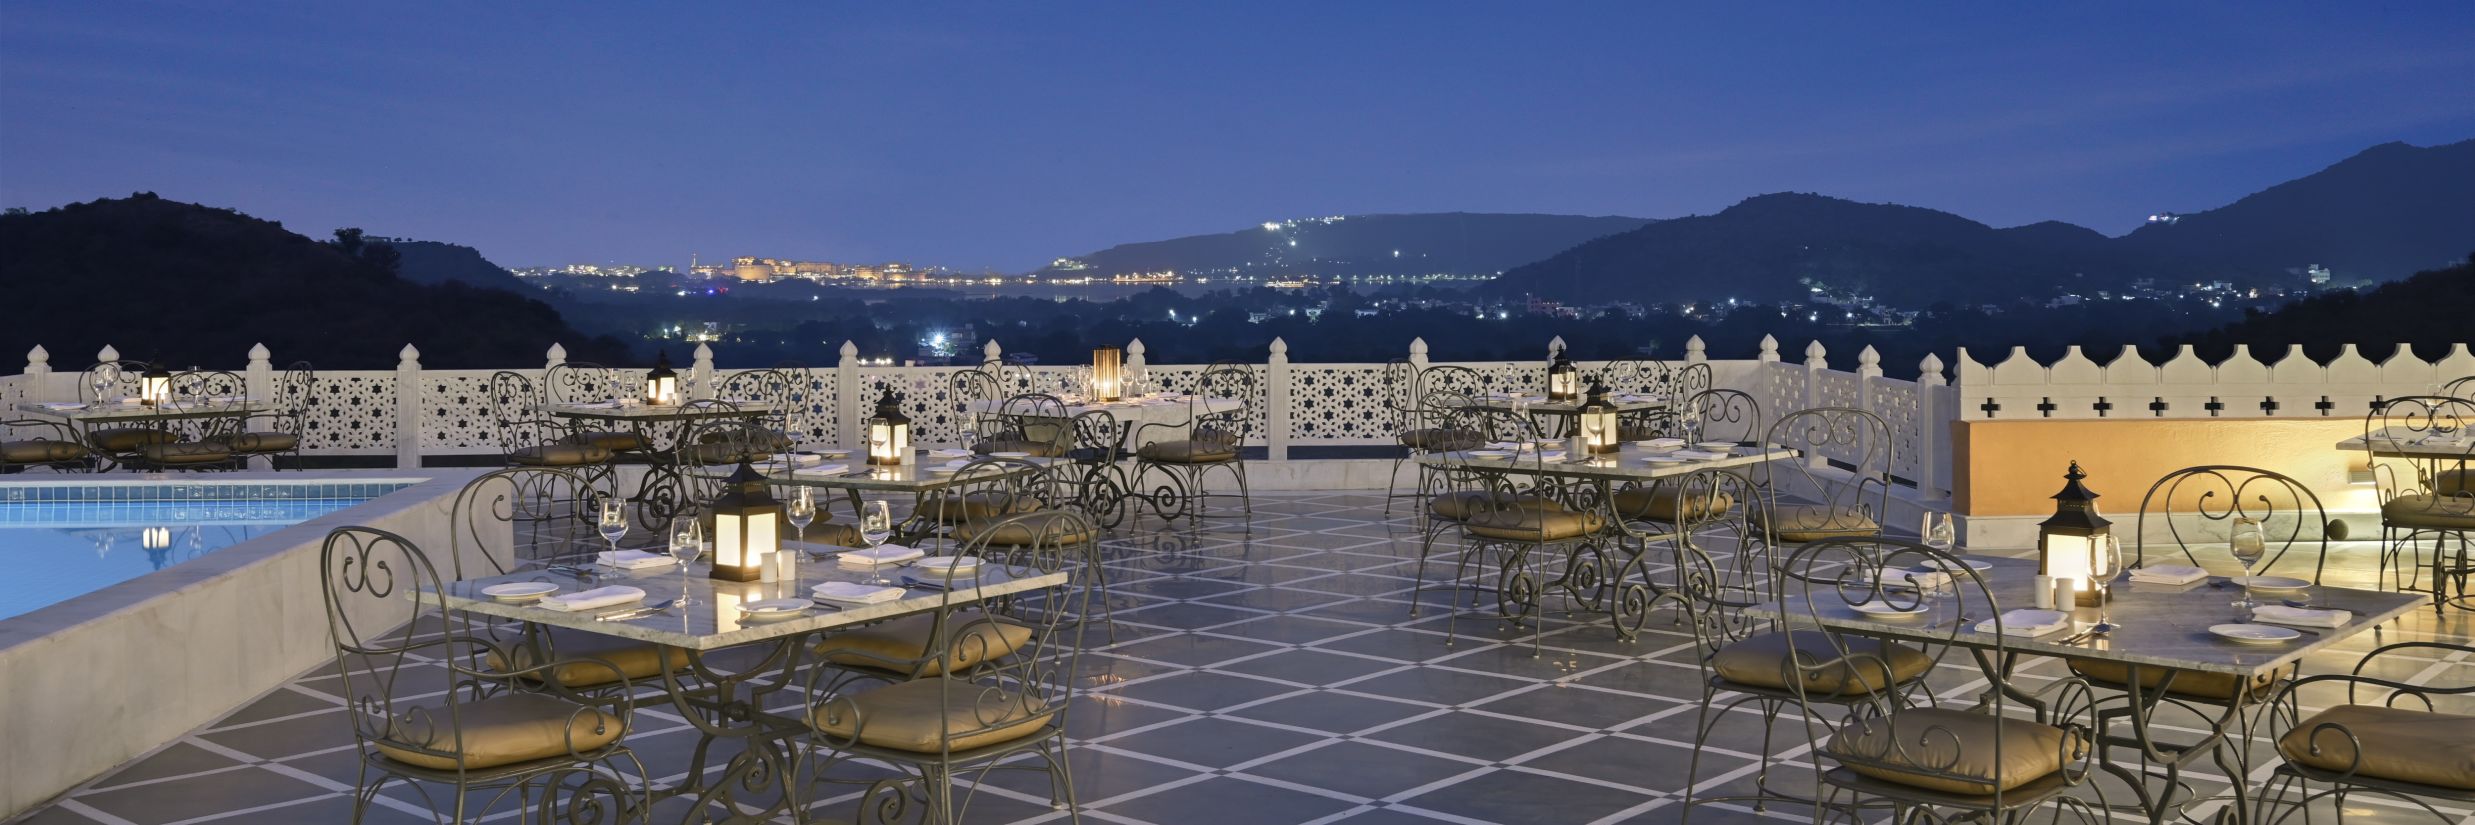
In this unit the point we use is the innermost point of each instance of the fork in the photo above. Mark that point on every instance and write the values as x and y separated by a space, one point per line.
662 606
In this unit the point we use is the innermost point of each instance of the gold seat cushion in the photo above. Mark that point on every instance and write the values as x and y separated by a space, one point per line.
1438 439
2417 746
1459 506
2431 512
559 455
1026 529
185 452
758 439
617 441
1763 661
2454 482
2194 684
1952 751
635 660
718 453
953 508
1659 503
1533 525
501 730
262 442
932 715
1815 522
1189 451
127 439
973 637
40 450
1043 449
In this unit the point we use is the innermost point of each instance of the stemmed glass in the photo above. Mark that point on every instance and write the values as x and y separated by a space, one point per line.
875 528
802 511
1939 534
2247 545
685 545
105 375
613 522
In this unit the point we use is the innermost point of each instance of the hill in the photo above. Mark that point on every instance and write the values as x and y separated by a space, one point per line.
2381 214
188 284
1448 242
433 262
2428 310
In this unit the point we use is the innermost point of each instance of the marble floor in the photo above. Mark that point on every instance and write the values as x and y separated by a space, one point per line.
1263 671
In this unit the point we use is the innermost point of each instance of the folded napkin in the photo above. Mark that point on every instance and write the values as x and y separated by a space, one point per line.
595 598
880 554
1701 454
2028 622
2301 616
1663 442
632 559
855 593
1505 445
949 453
2169 574
64 405
822 470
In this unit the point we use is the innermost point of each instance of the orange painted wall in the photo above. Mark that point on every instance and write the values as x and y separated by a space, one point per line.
2012 468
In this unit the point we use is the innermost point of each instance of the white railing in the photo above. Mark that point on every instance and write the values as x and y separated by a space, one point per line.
411 411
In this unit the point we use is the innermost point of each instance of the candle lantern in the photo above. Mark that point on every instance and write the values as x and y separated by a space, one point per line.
662 383
746 526
2073 543
1563 379
155 386
155 538
889 433
1108 366
1600 431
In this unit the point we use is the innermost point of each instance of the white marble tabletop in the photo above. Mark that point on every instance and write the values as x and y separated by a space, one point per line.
1629 462
713 620
614 411
2159 625
1538 403
132 411
926 473
2413 445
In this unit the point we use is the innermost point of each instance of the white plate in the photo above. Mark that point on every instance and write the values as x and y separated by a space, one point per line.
1971 564
949 453
2255 634
957 563
519 591
1662 459
1889 609
2268 582
1491 453
1011 455
774 609
1662 442
1718 445
833 453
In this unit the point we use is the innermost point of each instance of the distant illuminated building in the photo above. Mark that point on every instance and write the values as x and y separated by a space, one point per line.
2319 275
2167 218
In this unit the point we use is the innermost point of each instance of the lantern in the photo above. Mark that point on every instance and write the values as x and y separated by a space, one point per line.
1107 373
746 522
662 383
155 386
155 538
889 433
2073 543
1600 431
1563 379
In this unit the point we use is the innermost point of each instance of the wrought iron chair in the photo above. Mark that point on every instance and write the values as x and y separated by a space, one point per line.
1711 415
1510 516
200 438
2389 738
1419 429
529 438
1098 475
27 443
1008 502
1031 423
990 682
2460 388
977 394
109 382
517 732
1845 474
295 391
773 393
1219 417
578 382
2438 503
1896 746
1649 377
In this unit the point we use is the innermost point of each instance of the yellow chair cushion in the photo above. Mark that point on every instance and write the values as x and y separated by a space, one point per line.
185 452
1043 449
40 450
2417 746
1026 529
635 660
1814 522
262 442
1192 451
127 439
932 715
1959 746
1763 661
953 508
616 441
2454 482
976 637
1459 506
559 455
1437 439
1659 503
2431 512
1533 525
2194 684
501 730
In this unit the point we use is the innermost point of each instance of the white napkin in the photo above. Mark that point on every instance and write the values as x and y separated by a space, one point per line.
949 453
1701 454
595 598
822 470
2028 622
64 405
632 559
855 593
880 554
2169 574
2301 616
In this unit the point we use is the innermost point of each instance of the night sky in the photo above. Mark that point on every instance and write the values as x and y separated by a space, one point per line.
1002 135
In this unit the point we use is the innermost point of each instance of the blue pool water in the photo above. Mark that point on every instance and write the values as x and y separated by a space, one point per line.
61 541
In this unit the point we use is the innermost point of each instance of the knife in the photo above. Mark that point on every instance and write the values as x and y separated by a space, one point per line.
637 613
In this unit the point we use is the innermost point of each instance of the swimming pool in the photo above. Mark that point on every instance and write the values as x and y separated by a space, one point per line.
62 541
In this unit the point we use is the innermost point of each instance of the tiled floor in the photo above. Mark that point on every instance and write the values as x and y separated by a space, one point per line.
1263 673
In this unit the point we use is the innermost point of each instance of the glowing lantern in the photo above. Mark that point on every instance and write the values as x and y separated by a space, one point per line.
662 383
1600 431
1107 373
155 386
2073 543
746 523
1563 379
889 433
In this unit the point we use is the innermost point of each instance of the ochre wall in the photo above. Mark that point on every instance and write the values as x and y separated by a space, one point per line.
2013 468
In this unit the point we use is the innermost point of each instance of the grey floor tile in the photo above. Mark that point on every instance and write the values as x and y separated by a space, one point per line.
1216 742
1583 707
1361 769
180 799
180 759
1515 796
1233 799
1200 691
1296 630
1429 684
1331 711
1192 650
1476 736
1308 667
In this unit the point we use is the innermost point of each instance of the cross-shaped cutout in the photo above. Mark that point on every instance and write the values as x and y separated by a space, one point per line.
1990 407
2158 407
2214 406
2102 406
2046 407
2324 406
2268 406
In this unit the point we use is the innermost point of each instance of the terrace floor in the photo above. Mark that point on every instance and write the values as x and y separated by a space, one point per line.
1270 675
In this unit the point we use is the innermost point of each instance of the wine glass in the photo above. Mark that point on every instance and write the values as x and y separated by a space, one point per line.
613 522
802 511
875 528
105 375
2247 544
1939 533
685 545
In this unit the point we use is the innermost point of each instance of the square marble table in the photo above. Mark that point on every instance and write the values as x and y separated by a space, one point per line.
2411 445
1630 462
115 412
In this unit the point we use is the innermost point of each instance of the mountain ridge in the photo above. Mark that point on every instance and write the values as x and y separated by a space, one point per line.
1426 242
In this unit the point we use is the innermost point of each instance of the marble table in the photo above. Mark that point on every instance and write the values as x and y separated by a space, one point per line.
661 494
920 479
88 415
1630 462
615 411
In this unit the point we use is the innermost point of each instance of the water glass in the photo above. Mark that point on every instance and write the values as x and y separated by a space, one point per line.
2248 545
874 528
1939 532
802 511
612 521
686 543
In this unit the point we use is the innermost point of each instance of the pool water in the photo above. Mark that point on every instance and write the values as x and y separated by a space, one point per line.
59 544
